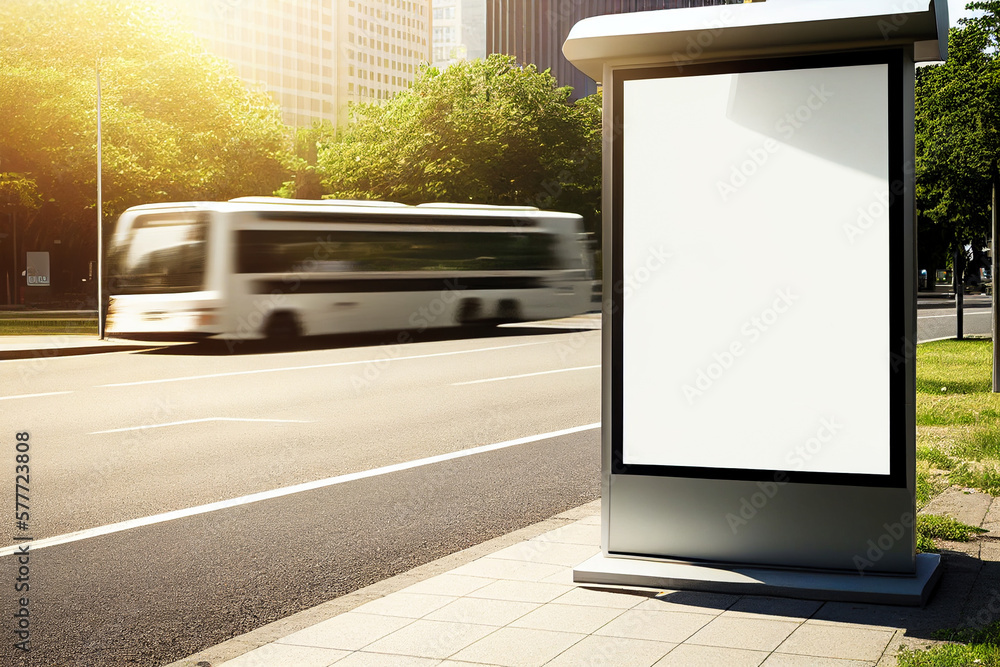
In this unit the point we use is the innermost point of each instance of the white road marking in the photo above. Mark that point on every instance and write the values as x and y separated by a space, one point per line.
331 365
198 421
525 375
50 393
286 491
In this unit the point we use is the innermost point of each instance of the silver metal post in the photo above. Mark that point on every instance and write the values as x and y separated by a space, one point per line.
100 217
994 267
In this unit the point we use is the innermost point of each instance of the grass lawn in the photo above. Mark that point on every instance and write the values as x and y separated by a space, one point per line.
958 442
42 327
958 418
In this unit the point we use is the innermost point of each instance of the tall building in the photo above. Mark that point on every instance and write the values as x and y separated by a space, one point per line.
534 30
459 31
315 56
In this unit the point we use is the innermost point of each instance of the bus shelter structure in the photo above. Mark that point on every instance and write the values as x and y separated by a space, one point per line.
759 385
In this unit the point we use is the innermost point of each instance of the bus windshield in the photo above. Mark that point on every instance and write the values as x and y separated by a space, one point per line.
161 253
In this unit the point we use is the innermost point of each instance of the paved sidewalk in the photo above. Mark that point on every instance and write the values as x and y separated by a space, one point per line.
60 345
519 606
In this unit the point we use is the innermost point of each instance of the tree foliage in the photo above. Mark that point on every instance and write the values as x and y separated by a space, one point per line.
177 123
485 131
957 140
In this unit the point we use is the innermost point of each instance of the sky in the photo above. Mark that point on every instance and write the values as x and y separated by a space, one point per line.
956 10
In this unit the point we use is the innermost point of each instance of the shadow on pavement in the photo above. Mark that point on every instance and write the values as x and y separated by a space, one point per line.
210 347
967 595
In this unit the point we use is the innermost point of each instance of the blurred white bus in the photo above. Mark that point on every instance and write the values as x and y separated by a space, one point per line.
263 267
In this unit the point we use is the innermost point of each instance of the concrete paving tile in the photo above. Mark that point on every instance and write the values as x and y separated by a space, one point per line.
971 507
430 639
602 597
837 641
448 584
350 631
407 605
575 533
755 634
773 608
612 652
496 568
567 618
518 647
521 591
663 626
693 655
872 616
788 660
991 521
594 520
483 612
365 659
280 655
695 602
564 577
551 553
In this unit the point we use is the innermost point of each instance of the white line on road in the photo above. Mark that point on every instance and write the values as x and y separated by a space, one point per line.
198 421
525 375
50 393
331 365
286 491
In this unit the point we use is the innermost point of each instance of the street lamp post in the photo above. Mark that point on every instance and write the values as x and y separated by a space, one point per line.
100 217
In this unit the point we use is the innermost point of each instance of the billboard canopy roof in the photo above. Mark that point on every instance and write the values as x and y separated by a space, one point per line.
775 27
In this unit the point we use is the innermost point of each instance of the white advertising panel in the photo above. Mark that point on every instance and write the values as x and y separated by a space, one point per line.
755 328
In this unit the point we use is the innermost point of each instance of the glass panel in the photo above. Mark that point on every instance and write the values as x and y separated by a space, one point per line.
320 251
164 253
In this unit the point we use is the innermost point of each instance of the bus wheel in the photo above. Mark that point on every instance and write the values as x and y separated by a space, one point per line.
469 311
282 326
508 310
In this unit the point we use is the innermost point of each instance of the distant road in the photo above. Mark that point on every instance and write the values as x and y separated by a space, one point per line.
936 317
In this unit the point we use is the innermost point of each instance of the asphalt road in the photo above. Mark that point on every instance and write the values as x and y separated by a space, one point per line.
936 317
123 437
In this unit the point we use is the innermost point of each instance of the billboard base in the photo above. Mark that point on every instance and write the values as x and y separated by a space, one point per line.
839 586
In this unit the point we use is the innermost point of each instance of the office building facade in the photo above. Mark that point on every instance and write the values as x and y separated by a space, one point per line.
534 30
459 31
315 56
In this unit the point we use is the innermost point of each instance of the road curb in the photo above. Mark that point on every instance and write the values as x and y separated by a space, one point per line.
50 352
237 646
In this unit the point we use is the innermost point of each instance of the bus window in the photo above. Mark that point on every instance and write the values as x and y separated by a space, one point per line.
162 254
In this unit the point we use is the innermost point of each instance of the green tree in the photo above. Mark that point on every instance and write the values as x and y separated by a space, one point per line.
306 180
178 124
957 122
485 131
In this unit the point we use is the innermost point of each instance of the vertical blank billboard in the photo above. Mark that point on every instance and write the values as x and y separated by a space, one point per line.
754 309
